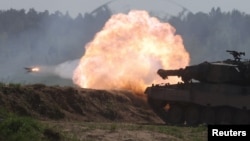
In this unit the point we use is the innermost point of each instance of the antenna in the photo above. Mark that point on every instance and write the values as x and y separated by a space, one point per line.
101 6
179 5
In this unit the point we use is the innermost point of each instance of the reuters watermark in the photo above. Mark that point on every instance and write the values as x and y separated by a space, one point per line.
241 132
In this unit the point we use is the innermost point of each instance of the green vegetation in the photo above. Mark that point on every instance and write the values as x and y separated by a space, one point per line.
16 128
49 102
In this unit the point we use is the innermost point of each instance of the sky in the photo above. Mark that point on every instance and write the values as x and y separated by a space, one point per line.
171 7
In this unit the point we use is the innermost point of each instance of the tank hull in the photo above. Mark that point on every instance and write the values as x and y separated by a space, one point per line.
198 103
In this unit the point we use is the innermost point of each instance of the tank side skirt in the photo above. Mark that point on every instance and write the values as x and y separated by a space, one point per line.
205 94
201 104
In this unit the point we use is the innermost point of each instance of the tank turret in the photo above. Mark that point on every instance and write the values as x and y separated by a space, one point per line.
216 72
220 94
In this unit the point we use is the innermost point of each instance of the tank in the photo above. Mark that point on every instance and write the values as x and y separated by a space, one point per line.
210 93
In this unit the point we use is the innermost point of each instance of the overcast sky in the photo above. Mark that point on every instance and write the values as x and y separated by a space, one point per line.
161 6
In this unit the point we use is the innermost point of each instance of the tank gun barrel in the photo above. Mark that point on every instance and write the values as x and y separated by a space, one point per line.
165 73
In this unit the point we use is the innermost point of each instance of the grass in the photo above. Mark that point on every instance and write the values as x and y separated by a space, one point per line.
15 127
18 128
183 133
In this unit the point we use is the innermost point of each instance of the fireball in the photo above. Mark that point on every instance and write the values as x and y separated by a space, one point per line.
128 51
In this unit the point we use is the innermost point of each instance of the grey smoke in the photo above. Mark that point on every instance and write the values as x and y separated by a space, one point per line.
55 47
65 70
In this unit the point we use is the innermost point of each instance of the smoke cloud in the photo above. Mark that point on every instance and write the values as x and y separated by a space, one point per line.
65 70
53 42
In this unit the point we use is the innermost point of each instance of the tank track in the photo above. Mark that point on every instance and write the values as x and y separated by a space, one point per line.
189 114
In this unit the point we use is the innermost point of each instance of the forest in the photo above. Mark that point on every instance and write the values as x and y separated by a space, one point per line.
209 35
31 37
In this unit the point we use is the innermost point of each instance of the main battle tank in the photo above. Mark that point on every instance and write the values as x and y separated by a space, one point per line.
211 93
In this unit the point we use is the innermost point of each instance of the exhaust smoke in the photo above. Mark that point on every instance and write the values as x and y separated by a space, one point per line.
64 70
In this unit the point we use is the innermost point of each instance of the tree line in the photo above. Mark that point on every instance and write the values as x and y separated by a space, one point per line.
46 38
51 38
209 35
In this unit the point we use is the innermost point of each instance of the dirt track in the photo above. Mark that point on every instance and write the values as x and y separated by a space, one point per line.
112 131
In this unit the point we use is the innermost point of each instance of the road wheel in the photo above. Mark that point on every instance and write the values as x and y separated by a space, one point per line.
207 115
224 115
158 108
192 115
175 114
241 117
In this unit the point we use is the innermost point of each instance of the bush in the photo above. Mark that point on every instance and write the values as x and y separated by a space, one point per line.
20 129
16 128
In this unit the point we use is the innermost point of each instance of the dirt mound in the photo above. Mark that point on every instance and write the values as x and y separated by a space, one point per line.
69 103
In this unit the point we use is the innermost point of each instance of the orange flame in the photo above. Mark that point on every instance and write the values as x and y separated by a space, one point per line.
128 51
